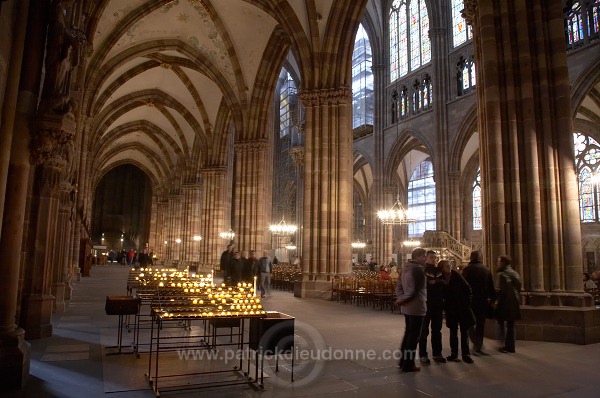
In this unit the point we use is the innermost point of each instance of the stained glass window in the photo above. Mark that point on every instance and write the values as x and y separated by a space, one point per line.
461 32
582 22
421 199
363 102
587 162
410 47
465 75
477 201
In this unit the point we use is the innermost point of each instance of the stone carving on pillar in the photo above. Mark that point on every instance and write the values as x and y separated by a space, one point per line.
454 176
50 133
469 12
342 95
251 146
297 154
63 46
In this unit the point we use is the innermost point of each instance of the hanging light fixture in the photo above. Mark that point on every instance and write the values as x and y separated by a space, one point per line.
411 243
358 245
283 228
228 234
396 215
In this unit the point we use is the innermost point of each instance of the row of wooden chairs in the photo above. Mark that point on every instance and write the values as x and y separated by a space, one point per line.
283 277
365 292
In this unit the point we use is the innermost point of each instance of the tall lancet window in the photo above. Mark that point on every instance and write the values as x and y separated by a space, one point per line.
410 46
476 193
363 101
421 199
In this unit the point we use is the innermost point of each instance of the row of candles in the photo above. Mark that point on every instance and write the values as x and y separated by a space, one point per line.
197 295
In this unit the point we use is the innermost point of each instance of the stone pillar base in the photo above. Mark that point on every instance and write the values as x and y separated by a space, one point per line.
313 289
36 315
58 291
68 291
557 317
14 359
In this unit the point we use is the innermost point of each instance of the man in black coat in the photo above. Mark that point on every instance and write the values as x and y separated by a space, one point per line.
481 281
225 262
435 310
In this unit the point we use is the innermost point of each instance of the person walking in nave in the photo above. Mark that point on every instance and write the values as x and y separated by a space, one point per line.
479 277
457 306
412 298
225 262
250 266
508 310
263 270
435 310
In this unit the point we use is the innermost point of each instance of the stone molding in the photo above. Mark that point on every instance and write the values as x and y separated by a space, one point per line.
214 171
326 96
251 146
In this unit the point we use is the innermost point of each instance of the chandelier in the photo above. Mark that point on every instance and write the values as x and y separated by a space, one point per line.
396 215
411 243
358 245
282 228
227 234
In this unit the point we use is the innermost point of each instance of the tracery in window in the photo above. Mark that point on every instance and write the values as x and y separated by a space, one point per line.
582 22
410 46
465 76
587 162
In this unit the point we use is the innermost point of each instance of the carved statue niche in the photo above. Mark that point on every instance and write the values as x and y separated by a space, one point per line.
62 55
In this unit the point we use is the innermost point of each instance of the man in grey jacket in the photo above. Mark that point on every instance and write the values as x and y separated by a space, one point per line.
411 291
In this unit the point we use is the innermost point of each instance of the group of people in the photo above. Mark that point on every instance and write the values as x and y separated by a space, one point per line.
237 267
427 290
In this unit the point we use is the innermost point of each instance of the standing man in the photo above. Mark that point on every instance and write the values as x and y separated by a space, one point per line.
225 262
265 266
482 284
412 299
435 311
508 308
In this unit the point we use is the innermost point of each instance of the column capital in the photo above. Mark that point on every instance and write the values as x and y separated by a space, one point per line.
297 155
437 32
49 134
332 96
251 146
211 171
470 11
454 175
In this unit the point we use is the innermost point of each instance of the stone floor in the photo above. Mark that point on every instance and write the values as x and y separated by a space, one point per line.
356 345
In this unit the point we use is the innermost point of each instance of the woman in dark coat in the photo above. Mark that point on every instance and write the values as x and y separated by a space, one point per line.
508 286
457 305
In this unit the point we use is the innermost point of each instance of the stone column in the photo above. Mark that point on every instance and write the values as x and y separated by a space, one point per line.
525 121
252 174
19 104
37 301
190 220
440 81
530 200
214 214
62 246
455 203
174 227
379 199
297 154
161 228
327 212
